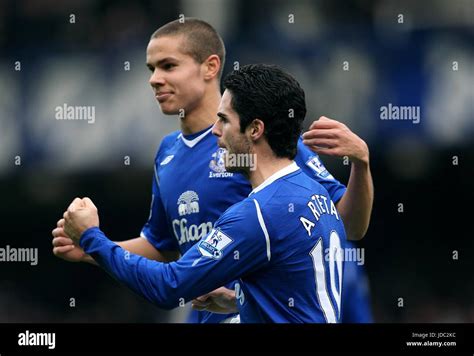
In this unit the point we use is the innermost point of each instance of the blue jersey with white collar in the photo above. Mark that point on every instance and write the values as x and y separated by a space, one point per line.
191 190
281 244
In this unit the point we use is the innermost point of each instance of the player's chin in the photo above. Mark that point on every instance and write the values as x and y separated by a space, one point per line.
169 108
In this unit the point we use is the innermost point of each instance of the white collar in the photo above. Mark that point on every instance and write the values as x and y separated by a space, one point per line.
293 167
194 141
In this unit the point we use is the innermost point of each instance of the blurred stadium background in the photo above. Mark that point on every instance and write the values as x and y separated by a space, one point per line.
408 255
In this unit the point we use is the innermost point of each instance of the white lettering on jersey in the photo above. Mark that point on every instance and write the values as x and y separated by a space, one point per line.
318 206
191 233
308 225
239 294
220 175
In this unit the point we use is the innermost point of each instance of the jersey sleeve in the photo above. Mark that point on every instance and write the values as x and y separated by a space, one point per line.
235 247
310 164
156 229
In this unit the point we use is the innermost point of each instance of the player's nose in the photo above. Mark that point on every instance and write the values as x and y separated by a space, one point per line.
156 79
216 131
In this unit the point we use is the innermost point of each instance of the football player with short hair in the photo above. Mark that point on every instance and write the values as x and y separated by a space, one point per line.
191 187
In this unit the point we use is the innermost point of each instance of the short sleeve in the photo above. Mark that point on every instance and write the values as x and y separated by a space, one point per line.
156 229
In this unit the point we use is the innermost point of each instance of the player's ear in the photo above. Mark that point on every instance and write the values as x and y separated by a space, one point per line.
256 129
212 65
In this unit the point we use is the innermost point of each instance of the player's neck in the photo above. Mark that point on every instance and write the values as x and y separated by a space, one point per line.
267 165
203 116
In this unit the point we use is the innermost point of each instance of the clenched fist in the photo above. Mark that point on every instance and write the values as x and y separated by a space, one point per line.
64 247
80 216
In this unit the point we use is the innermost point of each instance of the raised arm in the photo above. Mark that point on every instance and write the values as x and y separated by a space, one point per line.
330 137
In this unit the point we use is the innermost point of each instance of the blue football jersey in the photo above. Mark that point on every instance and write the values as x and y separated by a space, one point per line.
191 189
355 294
281 243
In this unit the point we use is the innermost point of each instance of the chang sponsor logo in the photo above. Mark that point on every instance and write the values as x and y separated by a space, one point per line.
188 203
190 233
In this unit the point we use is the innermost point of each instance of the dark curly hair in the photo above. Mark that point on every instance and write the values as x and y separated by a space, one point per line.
266 92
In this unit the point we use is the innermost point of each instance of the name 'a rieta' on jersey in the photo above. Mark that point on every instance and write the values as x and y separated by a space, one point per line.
191 189
282 243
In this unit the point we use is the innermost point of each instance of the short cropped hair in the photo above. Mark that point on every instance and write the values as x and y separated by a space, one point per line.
268 93
201 39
